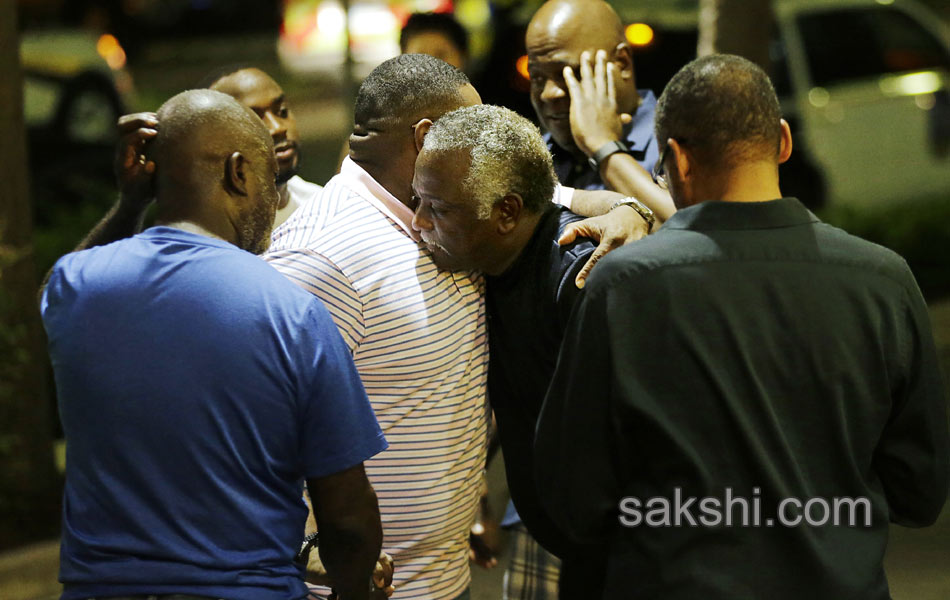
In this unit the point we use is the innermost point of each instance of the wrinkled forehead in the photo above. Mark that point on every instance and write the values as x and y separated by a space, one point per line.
565 34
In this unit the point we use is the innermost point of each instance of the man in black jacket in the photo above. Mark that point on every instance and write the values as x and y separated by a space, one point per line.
746 399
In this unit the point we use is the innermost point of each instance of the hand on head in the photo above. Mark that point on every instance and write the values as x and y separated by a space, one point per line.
560 32
595 117
134 170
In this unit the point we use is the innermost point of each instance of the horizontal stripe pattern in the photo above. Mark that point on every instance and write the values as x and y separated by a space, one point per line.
418 337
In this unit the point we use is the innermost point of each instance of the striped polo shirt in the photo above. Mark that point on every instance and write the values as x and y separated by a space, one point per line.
418 338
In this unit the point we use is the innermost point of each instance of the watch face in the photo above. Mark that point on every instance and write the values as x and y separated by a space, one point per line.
593 163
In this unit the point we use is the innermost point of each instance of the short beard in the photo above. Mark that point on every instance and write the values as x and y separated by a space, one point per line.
256 228
285 176
263 243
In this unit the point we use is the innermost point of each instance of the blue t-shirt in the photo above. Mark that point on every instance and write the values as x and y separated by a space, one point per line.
197 388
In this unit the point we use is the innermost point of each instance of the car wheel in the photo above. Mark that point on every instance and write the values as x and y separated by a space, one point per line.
89 110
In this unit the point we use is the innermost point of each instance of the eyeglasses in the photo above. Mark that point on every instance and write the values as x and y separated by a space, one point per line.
659 172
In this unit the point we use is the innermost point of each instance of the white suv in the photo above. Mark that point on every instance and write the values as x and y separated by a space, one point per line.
865 84
870 83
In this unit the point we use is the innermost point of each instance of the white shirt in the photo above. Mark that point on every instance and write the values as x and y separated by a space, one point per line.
300 191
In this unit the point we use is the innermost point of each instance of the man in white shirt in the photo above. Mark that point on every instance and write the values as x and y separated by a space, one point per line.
259 92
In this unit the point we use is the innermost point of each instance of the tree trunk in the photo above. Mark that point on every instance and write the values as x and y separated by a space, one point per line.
29 486
742 27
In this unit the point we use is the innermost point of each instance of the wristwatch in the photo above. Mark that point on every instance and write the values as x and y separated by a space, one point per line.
642 209
604 151
309 543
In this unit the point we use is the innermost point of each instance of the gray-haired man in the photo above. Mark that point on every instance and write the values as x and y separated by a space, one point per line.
483 181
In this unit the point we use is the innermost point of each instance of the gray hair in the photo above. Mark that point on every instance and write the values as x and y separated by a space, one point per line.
507 151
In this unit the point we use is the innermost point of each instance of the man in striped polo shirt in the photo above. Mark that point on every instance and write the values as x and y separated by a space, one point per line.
417 333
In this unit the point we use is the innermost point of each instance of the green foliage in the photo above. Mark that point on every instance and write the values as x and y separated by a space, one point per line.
28 511
919 231
13 354
59 225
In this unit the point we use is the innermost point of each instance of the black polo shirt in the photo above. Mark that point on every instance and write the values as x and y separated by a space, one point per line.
528 307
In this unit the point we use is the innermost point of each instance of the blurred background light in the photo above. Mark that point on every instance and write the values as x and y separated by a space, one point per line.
912 84
818 97
639 34
111 51
522 66
330 18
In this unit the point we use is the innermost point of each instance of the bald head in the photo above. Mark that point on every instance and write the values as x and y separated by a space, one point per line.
201 127
588 24
256 90
215 166
557 35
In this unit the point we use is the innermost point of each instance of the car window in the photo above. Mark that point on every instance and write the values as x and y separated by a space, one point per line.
656 63
847 44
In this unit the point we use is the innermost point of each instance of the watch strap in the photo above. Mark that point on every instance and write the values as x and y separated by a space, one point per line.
606 150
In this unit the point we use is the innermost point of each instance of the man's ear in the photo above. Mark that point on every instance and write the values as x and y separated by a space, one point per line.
681 158
420 129
235 173
785 143
507 213
623 57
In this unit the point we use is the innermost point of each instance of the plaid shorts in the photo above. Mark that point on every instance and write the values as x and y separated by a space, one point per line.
532 571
